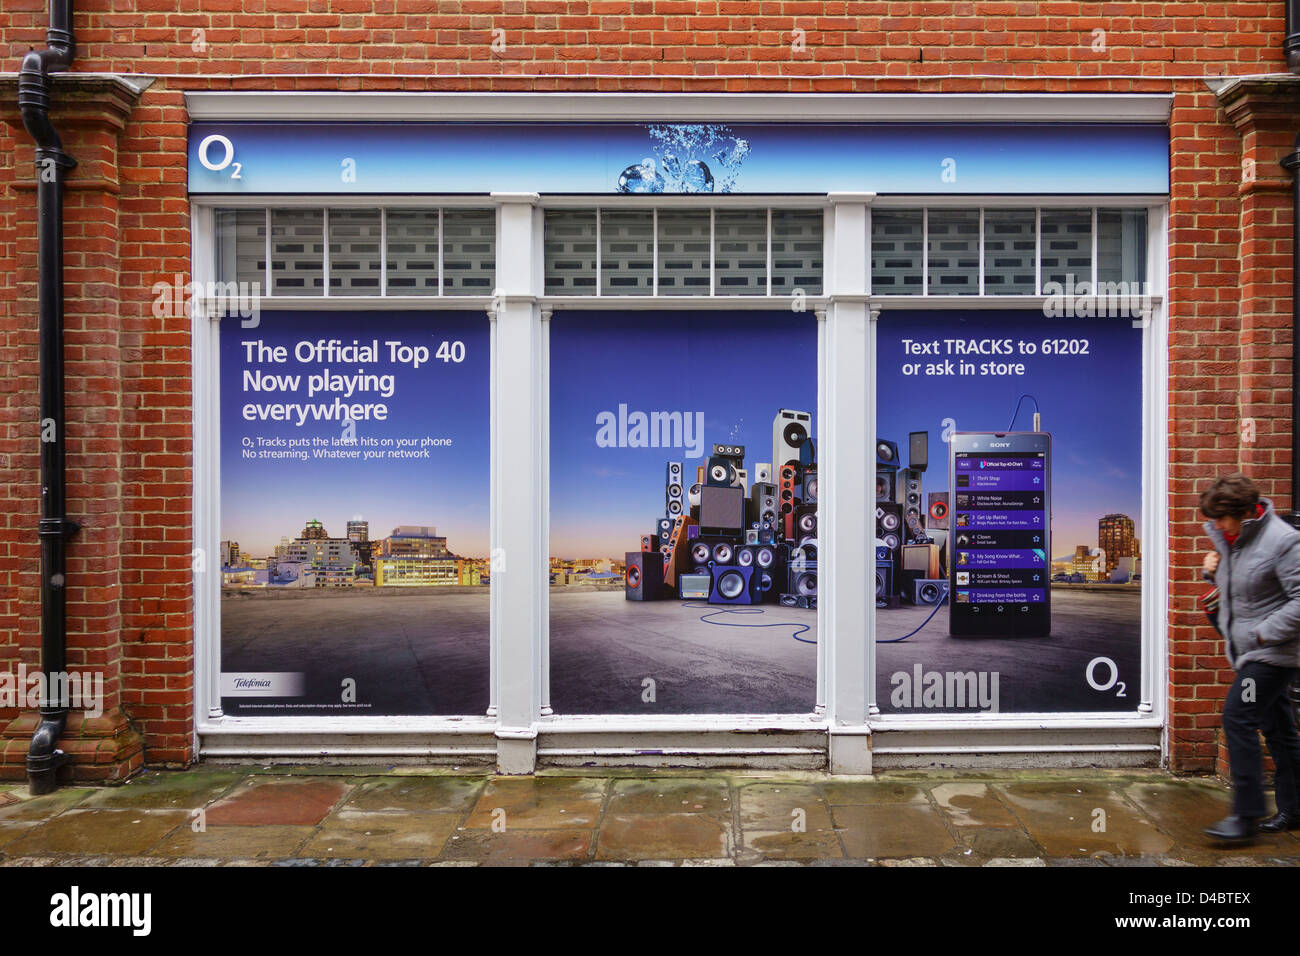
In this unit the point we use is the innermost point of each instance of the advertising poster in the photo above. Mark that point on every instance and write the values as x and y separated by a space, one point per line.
683 512
1008 513
354 514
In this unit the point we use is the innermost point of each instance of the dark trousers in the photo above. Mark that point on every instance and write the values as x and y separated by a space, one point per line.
1268 711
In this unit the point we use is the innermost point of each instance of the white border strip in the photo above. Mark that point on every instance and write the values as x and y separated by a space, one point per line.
337 107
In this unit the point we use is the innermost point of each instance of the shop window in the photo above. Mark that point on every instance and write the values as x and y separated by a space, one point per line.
796 251
683 247
627 252
241 246
297 252
355 262
897 251
1066 247
740 251
412 251
1121 245
468 251
570 259
953 251
1010 241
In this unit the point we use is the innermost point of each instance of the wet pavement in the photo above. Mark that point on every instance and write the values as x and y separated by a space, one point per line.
367 816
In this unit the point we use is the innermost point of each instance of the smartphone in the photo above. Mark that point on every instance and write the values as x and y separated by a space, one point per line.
1000 536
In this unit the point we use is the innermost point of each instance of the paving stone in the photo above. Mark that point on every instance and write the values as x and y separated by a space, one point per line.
165 790
256 842
872 791
907 861
1182 810
771 808
1060 816
646 836
539 802
972 805
519 845
892 830
1016 861
382 836
998 841
130 832
783 844
278 801
437 794
44 807
670 795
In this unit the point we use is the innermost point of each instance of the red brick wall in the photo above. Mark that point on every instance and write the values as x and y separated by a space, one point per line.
129 385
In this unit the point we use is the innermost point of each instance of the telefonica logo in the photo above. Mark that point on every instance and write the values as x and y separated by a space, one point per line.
624 429
76 909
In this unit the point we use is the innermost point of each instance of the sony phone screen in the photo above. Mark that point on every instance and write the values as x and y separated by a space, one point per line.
1000 563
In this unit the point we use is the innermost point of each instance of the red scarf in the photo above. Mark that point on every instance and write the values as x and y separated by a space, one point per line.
1232 538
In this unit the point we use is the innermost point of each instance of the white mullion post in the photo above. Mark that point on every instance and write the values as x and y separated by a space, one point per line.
1038 250
1093 277
846 620
654 251
981 250
544 540
819 707
518 485
925 250
713 239
383 251
769 256
270 289
325 248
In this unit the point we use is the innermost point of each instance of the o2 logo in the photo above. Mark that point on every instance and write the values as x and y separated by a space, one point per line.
1111 673
227 160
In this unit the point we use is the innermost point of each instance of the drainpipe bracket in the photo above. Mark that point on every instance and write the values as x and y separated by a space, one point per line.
57 528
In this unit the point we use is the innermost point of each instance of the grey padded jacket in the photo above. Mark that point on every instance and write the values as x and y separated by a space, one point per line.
1259 590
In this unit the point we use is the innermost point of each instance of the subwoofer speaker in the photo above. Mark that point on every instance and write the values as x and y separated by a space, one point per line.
722 508
734 585
643 579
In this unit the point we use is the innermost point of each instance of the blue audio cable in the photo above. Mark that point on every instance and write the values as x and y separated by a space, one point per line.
895 640
1014 414
802 628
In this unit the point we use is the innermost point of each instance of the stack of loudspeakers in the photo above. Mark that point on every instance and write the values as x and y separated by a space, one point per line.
730 542
908 557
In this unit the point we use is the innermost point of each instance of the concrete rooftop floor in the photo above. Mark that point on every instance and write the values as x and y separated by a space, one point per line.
221 815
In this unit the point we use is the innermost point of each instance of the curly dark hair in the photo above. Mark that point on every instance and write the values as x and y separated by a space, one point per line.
1232 496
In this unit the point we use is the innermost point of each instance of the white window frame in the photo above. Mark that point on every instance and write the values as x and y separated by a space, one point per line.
520 732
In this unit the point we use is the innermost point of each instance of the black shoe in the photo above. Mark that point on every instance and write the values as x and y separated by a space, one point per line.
1281 821
1232 829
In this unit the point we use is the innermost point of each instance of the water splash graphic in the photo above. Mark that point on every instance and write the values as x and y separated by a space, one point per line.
692 158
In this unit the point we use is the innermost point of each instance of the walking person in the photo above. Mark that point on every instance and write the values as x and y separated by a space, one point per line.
1256 568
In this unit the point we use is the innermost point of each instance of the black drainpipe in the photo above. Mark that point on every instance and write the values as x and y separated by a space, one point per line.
1291 48
52 163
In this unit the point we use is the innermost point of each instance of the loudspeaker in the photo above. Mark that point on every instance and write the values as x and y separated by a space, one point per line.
751 536
699 473
918 450
664 530
649 543
886 481
909 491
733 585
802 581
735 452
887 454
721 472
929 590
722 508
938 511
700 553
693 495
922 558
889 525
885 596
694 587
805 522
677 559
644 578
762 472
810 486
788 500
807 454
674 491
790 429
741 480
799 600
723 552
